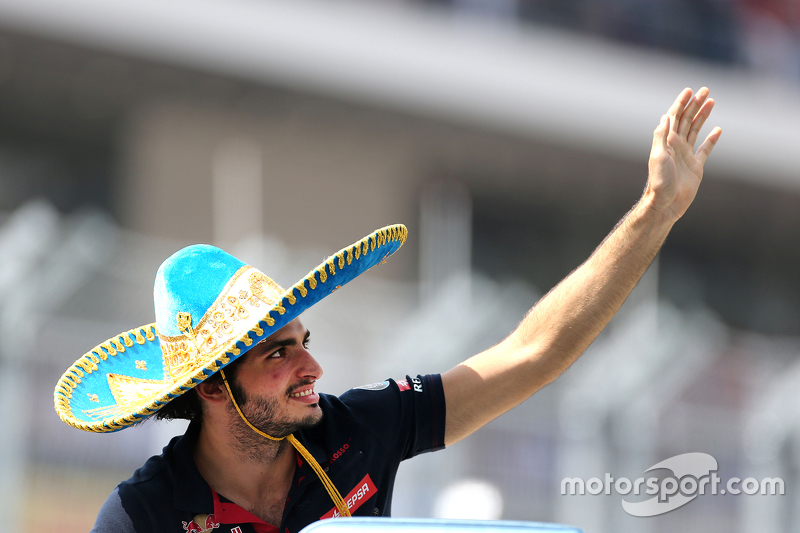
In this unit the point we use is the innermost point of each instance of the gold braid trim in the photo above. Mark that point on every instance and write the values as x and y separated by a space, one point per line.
85 363
100 353
118 345
331 265
388 234
110 349
126 338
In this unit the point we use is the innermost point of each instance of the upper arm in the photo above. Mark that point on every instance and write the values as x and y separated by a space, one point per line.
488 384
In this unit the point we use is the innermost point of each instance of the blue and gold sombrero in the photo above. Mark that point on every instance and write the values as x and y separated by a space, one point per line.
210 309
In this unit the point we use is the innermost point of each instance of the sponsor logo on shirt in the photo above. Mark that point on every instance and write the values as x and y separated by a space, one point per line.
201 523
362 492
340 451
405 385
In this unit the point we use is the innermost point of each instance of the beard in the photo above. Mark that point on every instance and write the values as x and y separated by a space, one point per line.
263 414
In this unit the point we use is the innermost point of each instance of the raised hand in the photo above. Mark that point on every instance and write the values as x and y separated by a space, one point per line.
675 168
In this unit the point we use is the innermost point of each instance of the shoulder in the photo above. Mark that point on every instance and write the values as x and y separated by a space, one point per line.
143 500
113 517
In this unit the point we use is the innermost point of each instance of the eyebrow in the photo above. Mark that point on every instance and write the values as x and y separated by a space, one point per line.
269 347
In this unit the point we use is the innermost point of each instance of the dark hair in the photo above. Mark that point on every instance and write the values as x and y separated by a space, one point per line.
188 405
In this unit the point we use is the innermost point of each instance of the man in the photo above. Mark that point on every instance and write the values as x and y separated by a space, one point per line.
244 374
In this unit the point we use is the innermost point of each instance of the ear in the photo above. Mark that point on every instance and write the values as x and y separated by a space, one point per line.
212 391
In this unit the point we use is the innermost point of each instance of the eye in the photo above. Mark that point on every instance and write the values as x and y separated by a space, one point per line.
277 354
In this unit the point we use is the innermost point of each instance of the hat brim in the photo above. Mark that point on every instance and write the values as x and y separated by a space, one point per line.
124 380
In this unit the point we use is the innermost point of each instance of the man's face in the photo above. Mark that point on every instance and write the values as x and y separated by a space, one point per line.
274 384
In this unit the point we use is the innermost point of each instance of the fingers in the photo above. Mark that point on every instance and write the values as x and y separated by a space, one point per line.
689 113
699 120
708 145
677 107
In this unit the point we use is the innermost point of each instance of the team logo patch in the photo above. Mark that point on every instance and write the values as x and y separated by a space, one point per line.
363 491
374 386
201 523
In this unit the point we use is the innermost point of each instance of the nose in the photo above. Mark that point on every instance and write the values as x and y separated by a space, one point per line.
308 367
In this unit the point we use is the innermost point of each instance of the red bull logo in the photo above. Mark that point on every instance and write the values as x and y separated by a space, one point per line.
202 523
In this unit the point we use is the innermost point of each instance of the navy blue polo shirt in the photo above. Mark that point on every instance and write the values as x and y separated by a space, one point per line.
363 436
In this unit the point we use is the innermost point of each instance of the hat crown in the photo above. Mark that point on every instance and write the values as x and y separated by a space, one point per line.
190 281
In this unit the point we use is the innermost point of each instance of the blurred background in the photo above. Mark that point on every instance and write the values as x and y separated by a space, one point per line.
508 135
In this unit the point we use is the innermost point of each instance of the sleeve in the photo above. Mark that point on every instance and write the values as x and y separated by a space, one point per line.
112 517
407 416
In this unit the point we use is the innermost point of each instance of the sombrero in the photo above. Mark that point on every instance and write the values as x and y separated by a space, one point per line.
210 309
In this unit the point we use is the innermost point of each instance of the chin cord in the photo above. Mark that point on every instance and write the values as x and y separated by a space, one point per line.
338 501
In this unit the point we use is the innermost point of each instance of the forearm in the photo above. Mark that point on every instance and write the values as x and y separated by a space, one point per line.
560 326
568 319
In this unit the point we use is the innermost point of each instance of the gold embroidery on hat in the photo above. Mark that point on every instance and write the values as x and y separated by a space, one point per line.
93 398
264 288
225 323
129 390
129 393
141 365
185 324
